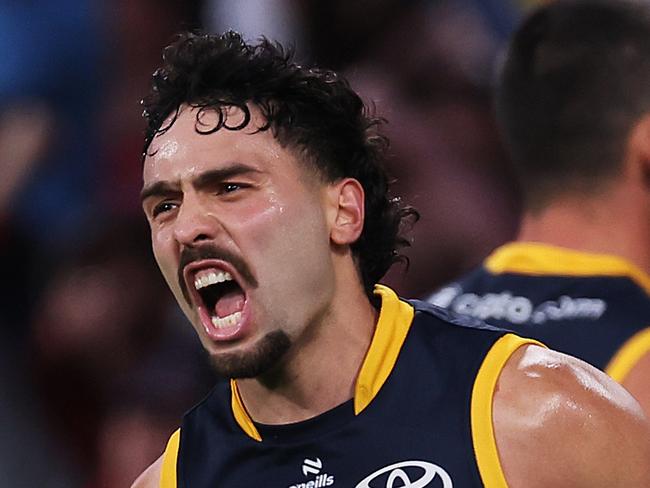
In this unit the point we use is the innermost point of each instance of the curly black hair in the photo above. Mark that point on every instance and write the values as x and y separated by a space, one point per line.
312 110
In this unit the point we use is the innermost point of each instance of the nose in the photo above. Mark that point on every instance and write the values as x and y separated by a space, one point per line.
193 224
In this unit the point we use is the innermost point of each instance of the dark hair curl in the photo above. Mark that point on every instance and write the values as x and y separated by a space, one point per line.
312 110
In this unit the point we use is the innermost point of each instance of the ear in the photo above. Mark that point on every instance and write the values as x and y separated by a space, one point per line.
346 199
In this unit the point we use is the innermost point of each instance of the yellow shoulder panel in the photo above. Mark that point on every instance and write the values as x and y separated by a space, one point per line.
539 259
628 355
170 456
485 446
241 415
394 322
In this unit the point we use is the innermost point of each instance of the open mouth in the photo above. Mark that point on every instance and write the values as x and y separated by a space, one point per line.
219 298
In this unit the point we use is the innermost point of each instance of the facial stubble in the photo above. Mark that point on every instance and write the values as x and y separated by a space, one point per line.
255 360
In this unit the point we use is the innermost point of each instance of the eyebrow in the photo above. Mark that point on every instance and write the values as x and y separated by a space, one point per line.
202 181
209 178
160 188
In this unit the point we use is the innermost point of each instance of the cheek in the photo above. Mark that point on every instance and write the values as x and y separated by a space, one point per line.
288 226
292 243
263 208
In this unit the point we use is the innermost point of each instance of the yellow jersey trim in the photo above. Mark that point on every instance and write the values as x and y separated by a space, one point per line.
241 415
485 446
629 355
170 458
394 322
542 259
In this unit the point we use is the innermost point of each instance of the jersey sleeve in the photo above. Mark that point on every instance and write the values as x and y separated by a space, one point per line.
629 355
485 446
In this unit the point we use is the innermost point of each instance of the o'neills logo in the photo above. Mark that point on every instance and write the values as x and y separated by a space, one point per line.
318 482
311 467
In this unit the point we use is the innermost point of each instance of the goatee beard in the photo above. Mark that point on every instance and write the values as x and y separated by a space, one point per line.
255 361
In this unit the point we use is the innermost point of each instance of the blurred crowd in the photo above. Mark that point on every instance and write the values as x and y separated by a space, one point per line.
98 364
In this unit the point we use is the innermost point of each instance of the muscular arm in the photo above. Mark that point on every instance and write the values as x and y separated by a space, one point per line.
560 422
150 478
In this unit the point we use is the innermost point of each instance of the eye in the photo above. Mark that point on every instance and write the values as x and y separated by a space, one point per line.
231 187
162 207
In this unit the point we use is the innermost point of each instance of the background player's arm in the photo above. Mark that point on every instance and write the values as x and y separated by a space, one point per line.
150 478
560 422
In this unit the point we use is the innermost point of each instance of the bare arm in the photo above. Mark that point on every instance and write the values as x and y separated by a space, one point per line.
560 422
150 478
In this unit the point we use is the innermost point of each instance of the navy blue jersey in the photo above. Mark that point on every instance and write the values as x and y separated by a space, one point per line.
421 416
594 307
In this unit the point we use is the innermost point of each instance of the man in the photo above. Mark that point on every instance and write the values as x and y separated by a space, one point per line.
270 221
573 102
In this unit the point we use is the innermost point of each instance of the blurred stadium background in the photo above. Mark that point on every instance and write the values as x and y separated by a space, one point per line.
97 364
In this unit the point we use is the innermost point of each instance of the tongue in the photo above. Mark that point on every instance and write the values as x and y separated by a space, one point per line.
231 302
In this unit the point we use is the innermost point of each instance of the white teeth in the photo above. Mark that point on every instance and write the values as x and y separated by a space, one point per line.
211 278
227 321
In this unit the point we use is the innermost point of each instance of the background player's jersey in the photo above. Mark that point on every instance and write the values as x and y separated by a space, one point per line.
421 416
595 307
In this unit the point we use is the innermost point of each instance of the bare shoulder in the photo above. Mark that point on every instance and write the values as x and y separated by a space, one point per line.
561 422
150 478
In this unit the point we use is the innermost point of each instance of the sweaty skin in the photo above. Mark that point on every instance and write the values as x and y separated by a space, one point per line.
563 423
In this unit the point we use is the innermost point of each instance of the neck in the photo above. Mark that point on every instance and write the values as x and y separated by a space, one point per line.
320 371
613 224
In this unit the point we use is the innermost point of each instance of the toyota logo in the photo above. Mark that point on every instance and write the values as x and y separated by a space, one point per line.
426 473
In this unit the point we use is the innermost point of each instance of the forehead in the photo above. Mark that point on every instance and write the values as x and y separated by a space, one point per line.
181 152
